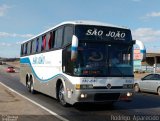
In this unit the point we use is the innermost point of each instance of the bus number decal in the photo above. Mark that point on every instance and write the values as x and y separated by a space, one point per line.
89 81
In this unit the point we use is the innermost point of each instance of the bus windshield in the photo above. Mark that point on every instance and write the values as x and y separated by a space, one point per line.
100 59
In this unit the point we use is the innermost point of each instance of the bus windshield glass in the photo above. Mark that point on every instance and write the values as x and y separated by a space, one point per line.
99 59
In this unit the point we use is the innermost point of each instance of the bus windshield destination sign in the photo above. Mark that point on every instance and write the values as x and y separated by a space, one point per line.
102 33
114 34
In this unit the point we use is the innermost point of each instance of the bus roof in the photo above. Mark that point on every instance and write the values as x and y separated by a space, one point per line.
96 23
79 22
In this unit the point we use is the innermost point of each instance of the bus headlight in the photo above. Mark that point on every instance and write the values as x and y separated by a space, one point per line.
129 94
84 86
128 86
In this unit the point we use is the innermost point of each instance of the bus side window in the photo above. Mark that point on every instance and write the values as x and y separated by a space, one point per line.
43 47
53 39
22 46
48 36
37 45
31 47
28 48
50 40
40 44
24 49
68 32
58 37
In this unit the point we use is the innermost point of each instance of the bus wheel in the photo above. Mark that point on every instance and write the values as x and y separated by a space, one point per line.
61 95
32 87
158 91
28 85
136 88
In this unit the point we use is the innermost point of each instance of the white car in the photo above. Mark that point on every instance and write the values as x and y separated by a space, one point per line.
149 83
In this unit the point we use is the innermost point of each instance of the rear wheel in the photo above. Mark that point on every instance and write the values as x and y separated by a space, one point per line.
61 95
158 91
136 88
30 86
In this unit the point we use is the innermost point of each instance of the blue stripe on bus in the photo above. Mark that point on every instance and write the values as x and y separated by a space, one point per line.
74 48
142 51
27 61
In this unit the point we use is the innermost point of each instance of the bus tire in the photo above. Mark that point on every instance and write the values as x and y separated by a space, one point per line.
29 85
158 91
136 88
61 95
32 86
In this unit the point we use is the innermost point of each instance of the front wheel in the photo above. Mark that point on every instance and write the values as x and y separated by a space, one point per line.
30 86
158 91
61 95
136 88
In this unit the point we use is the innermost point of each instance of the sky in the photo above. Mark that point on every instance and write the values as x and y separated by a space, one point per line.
22 19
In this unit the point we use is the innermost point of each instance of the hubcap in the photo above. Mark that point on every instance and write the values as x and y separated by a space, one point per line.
61 94
28 84
158 91
32 87
136 88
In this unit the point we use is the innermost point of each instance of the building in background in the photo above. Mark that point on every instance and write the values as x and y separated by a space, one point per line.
151 64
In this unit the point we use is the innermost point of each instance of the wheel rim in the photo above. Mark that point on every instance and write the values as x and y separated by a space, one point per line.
28 84
32 89
158 91
61 95
136 88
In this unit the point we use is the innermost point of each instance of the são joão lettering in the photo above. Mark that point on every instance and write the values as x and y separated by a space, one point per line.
113 34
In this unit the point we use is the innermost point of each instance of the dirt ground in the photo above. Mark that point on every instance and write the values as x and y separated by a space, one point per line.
14 63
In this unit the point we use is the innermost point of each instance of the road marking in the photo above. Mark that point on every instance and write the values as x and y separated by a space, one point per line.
46 109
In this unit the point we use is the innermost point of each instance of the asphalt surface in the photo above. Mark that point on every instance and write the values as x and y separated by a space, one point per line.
143 107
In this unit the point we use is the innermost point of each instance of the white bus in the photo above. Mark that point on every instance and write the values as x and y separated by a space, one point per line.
80 61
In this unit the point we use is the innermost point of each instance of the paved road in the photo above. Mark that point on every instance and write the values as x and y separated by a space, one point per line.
143 107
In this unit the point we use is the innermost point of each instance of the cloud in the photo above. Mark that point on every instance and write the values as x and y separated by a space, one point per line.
18 43
3 9
5 44
11 44
146 34
150 37
5 35
153 14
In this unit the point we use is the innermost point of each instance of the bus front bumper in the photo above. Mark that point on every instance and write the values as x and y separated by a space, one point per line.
98 96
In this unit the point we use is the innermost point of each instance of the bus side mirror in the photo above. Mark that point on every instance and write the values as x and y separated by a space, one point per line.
142 49
74 48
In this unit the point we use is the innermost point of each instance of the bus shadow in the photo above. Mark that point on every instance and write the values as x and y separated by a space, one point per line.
94 106
140 101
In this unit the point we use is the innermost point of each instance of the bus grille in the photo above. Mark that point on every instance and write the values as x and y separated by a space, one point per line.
106 96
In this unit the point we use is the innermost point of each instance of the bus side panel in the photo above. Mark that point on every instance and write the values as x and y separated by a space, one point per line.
45 69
